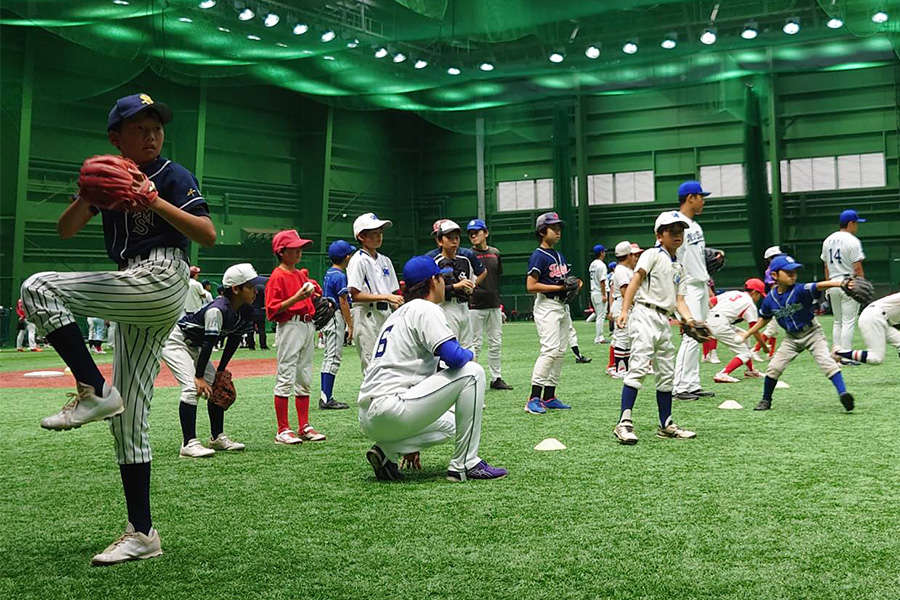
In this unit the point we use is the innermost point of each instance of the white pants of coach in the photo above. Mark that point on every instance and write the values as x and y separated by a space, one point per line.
488 320
687 363
845 310
367 322
333 335
598 301
724 332
31 331
876 331
182 361
651 340
551 317
145 299
296 343
443 406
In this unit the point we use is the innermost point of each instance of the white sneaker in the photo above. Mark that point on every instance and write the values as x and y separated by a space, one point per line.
311 435
675 432
754 373
194 449
624 432
756 356
101 351
224 443
714 357
723 377
85 406
133 545
704 359
287 437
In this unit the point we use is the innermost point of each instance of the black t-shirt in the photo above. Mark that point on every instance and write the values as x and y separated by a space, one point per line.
487 295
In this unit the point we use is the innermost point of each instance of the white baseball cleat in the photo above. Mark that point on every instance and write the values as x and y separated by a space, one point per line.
287 437
757 357
194 449
714 357
311 435
223 442
723 377
624 432
85 406
133 545
673 431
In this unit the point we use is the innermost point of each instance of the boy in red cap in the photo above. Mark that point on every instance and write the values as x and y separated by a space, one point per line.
289 304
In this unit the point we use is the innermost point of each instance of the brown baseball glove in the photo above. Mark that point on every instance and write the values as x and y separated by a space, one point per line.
223 392
115 183
697 330
860 289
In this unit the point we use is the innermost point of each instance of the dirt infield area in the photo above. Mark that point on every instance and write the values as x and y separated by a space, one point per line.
258 367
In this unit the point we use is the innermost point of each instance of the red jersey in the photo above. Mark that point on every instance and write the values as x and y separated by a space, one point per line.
20 310
281 286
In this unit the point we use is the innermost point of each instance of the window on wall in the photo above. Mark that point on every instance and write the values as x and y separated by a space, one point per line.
621 188
846 172
723 181
529 194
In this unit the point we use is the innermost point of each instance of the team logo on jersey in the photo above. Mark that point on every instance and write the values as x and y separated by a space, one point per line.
143 222
145 99
787 310
558 270
694 238
192 192
385 271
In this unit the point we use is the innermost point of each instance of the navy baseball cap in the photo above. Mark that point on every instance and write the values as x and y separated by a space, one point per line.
131 105
550 218
691 187
599 248
419 268
612 265
340 249
848 216
783 262
476 225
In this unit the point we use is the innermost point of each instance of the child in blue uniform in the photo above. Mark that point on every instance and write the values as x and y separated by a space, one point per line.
336 290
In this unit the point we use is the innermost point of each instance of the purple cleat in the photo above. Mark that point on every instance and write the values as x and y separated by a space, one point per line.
480 471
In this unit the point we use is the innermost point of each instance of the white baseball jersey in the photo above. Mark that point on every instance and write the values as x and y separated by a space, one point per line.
663 279
890 306
692 253
840 251
598 271
736 306
621 277
196 297
371 275
405 352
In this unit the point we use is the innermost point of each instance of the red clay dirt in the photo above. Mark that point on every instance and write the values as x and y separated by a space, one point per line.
252 367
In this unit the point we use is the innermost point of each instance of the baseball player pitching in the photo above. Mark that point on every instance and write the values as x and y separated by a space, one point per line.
405 405
879 324
843 256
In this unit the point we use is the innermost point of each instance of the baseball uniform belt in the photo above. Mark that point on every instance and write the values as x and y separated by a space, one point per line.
804 331
661 311
302 318
377 305
554 297
159 253
461 300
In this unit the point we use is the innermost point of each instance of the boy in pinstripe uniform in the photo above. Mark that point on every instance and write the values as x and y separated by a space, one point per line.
144 297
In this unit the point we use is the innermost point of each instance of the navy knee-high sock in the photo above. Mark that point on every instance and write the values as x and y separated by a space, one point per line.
216 419
69 344
838 380
768 388
664 403
629 396
327 385
136 483
187 414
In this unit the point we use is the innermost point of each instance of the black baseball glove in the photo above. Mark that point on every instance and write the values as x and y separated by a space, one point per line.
324 312
715 260
573 286
860 289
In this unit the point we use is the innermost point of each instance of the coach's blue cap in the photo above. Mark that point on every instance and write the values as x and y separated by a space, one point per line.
612 265
550 218
599 248
691 187
476 225
849 216
131 105
783 262
420 268
339 250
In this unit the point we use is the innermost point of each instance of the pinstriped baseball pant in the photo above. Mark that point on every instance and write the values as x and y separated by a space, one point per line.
145 300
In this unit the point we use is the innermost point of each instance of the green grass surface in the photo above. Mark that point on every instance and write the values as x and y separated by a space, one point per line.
798 502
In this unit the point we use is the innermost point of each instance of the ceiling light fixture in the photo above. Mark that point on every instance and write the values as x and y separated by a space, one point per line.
709 36
557 56
791 26
185 20
399 57
453 71
246 14
207 4
880 17
328 35
751 30
670 41
121 2
255 38
421 64
381 52
593 51
630 47
224 29
487 67
353 43
300 28
271 20
834 23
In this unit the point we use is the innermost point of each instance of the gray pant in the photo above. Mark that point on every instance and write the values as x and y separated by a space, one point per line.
812 340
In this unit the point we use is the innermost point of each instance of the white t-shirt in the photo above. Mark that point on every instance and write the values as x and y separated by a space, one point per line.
597 271
404 354
371 275
196 297
839 251
889 305
735 306
621 277
663 279
692 253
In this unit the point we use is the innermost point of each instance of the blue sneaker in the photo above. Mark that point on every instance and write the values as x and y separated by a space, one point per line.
555 404
535 407
480 471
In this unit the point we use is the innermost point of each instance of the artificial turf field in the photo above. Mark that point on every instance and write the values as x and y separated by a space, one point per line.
802 501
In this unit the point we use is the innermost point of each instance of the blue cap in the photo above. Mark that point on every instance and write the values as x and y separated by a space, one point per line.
612 265
475 225
783 262
850 215
599 248
339 250
691 187
550 218
419 268
131 105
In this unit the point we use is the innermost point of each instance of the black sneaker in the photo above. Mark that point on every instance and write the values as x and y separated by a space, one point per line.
582 360
499 384
685 396
332 405
765 405
847 401
385 470
703 393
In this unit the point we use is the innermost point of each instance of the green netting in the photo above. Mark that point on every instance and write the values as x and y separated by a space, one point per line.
187 44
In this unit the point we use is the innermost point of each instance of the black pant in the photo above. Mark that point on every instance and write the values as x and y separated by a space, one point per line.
259 325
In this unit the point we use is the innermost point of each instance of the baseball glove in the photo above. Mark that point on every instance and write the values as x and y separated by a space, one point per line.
715 260
223 394
860 289
115 183
573 286
697 330
324 312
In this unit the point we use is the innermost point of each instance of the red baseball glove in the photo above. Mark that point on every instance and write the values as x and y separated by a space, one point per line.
115 183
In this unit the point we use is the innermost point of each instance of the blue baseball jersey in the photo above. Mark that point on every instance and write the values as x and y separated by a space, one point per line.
216 320
794 308
477 265
548 265
336 285
132 234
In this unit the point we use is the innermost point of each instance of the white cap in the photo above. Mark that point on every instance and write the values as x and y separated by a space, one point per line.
368 221
668 218
239 275
772 251
446 226
625 248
